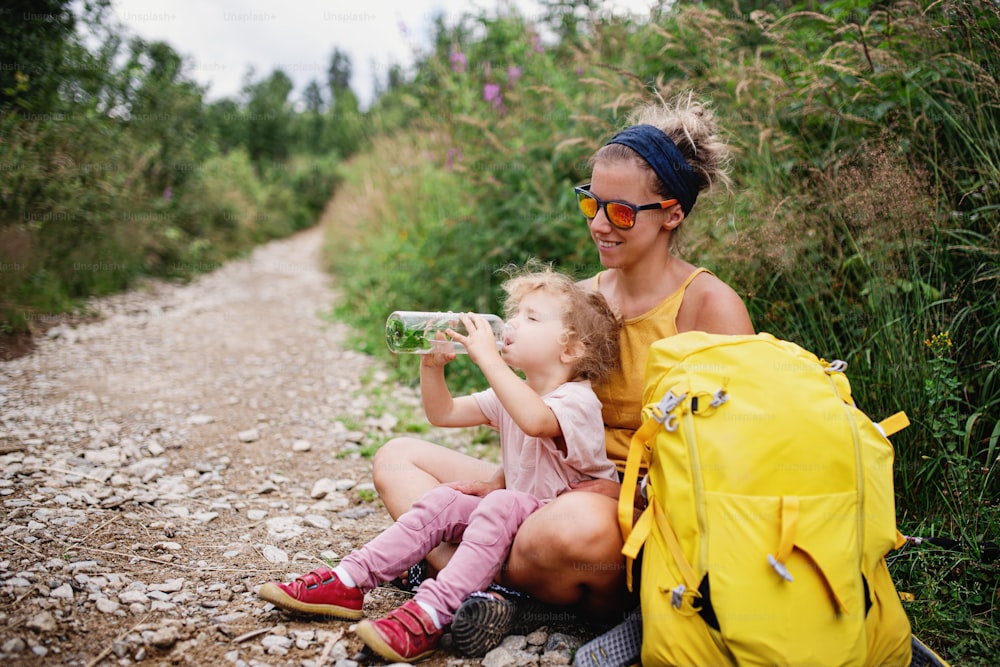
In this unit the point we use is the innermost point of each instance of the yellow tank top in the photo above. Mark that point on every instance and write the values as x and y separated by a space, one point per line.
621 392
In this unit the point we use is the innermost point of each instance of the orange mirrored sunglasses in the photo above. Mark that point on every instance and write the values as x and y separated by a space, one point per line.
621 214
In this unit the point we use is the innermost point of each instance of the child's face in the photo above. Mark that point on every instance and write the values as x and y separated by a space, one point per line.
537 336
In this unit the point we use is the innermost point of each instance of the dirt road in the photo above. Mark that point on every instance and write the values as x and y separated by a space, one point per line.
195 441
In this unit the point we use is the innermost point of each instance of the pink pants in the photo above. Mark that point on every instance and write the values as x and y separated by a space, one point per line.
483 528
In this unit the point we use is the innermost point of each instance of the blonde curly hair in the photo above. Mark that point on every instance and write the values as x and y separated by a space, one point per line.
586 316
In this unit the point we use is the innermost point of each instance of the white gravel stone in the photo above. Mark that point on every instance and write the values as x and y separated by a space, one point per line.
317 521
164 637
344 484
82 566
273 554
13 646
199 420
276 641
111 455
249 435
132 597
333 502
43 621
106 605
168 586
322 487
284 528
64 592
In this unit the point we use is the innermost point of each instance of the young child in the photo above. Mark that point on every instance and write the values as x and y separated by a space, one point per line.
561 336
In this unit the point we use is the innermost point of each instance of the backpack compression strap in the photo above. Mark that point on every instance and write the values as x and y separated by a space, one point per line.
894 423
637 453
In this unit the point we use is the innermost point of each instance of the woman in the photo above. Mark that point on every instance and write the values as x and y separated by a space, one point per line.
644 184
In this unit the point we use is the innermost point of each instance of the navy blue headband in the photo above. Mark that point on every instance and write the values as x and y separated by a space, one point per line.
667 161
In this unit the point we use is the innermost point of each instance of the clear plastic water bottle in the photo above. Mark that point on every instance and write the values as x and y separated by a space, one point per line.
415 332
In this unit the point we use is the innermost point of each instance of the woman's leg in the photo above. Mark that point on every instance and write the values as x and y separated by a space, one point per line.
569 553
405 469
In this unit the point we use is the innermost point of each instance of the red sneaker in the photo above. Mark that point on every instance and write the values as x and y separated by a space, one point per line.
317 592
406 634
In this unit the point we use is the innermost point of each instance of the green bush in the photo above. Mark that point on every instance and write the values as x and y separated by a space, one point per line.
67 221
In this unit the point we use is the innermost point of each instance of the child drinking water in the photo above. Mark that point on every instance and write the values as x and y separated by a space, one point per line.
561 336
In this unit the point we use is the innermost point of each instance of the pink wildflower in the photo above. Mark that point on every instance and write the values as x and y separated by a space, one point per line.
454 155
492 94
458 61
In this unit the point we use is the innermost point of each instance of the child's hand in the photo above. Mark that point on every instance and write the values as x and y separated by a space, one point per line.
477 488
441 355
480 343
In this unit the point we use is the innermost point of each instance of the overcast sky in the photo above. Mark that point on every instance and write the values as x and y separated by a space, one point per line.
223 38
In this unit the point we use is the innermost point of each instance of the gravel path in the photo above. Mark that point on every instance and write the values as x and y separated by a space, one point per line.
160 464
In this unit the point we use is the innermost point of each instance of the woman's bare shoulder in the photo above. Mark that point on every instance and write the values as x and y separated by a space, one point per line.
711 305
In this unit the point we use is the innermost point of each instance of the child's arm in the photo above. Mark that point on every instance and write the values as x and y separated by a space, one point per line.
525 407
439 405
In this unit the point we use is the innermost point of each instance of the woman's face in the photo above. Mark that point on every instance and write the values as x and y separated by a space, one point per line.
624 180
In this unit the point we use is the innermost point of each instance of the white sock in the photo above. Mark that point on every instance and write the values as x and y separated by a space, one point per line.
432 612
344 577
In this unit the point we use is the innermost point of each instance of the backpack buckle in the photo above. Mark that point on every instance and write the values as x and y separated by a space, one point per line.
677 596
780 568
719 397
836 366
661 411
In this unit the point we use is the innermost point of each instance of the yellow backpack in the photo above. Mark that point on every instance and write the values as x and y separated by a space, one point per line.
770 510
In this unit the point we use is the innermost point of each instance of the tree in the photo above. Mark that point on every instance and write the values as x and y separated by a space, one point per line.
165 108
269 118
310 126
338 75
313 97
33 39
229 123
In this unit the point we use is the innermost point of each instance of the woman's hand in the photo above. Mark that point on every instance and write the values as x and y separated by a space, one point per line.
605 487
